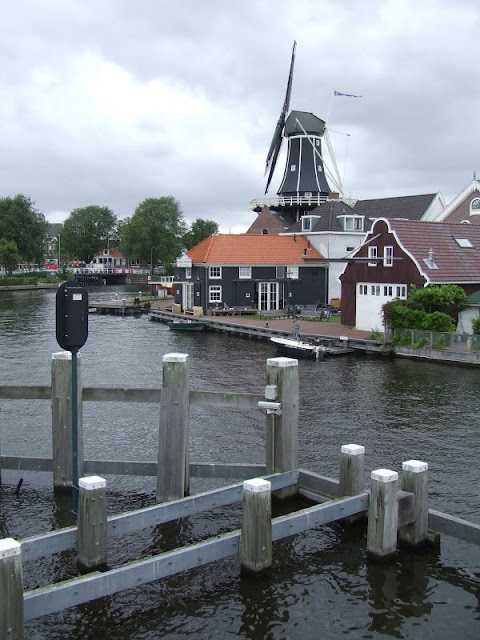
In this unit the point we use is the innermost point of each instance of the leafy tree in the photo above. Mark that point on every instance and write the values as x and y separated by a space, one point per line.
9 256
476 326
437 298
199 230
430 308
87 230
154 232
21 223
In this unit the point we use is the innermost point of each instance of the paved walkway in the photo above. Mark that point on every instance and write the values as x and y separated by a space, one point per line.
314 327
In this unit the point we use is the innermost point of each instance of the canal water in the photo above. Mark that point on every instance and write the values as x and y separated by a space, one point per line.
321 585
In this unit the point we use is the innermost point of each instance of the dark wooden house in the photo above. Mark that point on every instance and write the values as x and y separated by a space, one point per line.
265 272
402 253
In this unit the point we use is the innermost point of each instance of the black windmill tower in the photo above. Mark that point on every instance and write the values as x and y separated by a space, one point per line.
304 185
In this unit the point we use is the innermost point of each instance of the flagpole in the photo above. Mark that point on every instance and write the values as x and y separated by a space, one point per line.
329 107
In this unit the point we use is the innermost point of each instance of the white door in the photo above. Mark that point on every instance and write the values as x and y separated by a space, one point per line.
268 298
187 295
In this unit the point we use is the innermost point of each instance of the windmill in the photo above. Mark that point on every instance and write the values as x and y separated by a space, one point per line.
304 184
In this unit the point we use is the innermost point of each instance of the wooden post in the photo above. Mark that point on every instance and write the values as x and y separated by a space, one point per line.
92 523
415 480
62 420
173 479
383 514
282 430
256 535
351 470
11 590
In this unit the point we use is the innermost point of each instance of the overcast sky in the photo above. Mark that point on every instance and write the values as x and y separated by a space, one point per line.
109 102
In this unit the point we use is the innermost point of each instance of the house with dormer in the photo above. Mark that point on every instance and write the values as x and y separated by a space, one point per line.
337 228
256 271
397 254
465 207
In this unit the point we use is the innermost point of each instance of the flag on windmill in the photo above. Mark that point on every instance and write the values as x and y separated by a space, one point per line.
347 95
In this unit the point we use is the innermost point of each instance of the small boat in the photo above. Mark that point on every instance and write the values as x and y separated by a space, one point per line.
300 349
186 325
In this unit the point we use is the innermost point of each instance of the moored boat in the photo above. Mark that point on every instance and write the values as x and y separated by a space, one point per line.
186 325
300 348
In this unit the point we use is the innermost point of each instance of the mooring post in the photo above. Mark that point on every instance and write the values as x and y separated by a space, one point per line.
173 479
11 590
92 523
62 420
256 534
415 480
282 430
352 481
383 514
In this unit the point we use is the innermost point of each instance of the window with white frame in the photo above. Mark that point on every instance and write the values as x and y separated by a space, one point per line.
292 273
475 207
372 253
363 289
402 291
375 290
215 293
280 272
388 256
388 291
245 272
214 272
188 273
306 223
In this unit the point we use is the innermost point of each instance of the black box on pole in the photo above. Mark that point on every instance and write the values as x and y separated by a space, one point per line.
72 316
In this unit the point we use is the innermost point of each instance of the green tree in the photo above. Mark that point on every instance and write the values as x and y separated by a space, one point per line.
9 256
154 232
437 298
87 230
433 308
21 223
199 230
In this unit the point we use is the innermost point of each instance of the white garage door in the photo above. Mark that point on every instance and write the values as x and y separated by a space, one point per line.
370 299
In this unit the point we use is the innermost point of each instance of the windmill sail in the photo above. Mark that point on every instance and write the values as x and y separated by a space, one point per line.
278 133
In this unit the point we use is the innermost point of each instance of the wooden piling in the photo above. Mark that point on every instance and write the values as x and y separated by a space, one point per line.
92 523
256 534
11 590
415 480
61 374
282 430
382 514
173 480
351 470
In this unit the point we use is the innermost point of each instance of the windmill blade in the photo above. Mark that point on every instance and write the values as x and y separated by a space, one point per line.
274 162
276 143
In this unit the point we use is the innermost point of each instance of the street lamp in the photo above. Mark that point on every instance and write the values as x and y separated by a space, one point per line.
59 250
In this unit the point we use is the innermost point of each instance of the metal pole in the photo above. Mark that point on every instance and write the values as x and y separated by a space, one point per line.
74 434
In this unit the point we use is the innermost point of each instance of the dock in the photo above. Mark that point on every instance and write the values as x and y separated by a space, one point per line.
261 329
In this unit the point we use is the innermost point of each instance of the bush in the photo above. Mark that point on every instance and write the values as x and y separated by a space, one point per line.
437 321
476 326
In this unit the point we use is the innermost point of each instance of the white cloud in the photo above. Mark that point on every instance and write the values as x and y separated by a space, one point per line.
110 103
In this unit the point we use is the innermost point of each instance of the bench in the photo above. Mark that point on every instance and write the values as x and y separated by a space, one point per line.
241 311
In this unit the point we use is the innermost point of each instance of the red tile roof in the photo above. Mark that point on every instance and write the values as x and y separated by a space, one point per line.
454 263
252 249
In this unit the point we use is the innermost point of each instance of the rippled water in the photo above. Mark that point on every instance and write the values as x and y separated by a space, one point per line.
322 585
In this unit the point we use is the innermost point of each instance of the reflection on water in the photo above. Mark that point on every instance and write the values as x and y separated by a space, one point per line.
321 584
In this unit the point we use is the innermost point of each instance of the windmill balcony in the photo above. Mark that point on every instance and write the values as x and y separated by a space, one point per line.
291 201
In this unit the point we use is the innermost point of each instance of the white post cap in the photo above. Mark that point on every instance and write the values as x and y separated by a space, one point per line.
353 449
92 482
416 466
257 485
384 475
